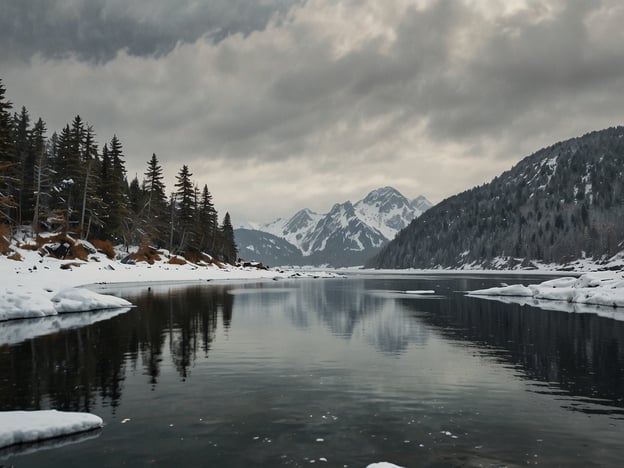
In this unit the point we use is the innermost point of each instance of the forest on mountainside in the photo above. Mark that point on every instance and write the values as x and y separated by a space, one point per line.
66 184
562 203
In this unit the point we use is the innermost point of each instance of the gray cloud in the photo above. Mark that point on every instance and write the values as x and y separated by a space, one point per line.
96 30
336 98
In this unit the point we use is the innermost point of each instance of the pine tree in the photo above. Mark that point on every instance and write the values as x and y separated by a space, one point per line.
207 221
156 203
62 181
7 159
185 196
92 204
229 251
25 169
117 202
42 176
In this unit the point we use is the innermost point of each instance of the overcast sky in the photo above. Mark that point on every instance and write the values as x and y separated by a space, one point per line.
279 105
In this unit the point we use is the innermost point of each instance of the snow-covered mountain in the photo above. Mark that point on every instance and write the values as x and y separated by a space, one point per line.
295 229
350 233
386 210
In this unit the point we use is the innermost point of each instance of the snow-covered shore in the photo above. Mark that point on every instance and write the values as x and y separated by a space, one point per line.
598 289
37 286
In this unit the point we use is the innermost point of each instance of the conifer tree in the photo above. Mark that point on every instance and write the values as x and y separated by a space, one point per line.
92 204
25 164
7 159
117 200
185 196
229 251
6 129
207 220
156 202
42 176
103 192
62 182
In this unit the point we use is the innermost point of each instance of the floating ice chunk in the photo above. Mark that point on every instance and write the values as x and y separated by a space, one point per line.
383 465
513 290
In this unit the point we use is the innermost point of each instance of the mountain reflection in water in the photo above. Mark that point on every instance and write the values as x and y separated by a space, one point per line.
247 374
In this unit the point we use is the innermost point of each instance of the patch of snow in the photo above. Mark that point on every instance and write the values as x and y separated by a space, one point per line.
601 289
20 427
22 302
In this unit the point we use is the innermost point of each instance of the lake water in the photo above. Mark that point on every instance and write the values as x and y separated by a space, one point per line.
337 372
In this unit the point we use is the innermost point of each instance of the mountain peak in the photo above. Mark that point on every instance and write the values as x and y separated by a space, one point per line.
421 204
384 194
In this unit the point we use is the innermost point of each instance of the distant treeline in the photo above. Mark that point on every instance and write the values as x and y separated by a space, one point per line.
562 203
65 183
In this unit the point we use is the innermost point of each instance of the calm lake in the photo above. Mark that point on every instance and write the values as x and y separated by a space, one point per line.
330 372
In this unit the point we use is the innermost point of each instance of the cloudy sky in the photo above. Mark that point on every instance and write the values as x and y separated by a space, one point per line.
283 104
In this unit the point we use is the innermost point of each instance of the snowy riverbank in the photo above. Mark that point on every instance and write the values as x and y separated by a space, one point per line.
37 286
597 289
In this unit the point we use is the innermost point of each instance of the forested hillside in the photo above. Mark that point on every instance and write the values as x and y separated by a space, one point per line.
66 183
562 203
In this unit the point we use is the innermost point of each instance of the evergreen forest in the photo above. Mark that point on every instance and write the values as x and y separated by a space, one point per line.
65 183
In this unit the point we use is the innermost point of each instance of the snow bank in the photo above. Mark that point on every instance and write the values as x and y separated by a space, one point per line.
602 289
22 302
40 286
79 299
20 427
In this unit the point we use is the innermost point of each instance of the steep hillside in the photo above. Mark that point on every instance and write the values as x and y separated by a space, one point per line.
562 203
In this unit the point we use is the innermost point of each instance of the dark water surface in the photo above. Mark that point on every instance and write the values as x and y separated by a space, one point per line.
340 372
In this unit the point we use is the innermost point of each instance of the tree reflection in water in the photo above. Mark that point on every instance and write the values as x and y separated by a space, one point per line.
72 369
579 355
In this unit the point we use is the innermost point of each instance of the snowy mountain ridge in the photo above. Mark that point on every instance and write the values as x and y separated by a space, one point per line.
349 233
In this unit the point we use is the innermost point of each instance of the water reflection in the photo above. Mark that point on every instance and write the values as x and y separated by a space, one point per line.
18 331
577 355
580 355
48 444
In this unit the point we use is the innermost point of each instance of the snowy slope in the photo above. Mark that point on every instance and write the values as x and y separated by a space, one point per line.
295 229
388 211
